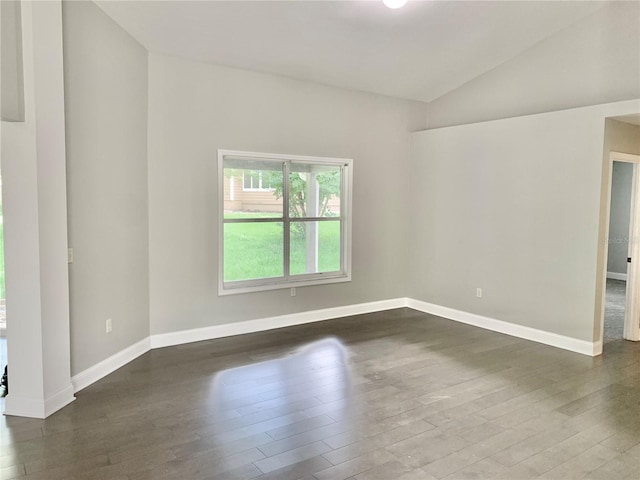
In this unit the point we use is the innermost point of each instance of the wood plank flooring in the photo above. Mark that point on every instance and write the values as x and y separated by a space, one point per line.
397 395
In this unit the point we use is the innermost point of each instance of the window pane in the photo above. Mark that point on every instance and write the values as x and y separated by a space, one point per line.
253 250
315 247
253 193
250 179
314 190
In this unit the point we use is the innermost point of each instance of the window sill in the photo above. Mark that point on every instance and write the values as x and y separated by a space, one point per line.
247 287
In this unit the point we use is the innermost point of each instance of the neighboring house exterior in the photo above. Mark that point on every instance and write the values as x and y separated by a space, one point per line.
249 198
247 193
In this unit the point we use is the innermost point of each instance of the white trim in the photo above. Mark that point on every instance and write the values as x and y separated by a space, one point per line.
541 336
311 280
102 369
21 406
58 400
261 324
597 348
617 276
623 157
632 310
108 365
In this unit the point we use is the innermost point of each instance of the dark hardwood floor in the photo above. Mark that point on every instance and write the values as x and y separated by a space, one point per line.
397 395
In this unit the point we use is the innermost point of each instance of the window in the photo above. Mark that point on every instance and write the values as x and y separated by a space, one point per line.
290 226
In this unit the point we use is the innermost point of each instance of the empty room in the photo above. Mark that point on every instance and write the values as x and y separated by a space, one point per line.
320 240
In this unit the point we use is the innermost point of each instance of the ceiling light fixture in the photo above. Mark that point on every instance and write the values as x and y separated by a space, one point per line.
394 3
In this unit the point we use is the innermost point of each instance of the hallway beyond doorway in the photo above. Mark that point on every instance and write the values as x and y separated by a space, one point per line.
614 309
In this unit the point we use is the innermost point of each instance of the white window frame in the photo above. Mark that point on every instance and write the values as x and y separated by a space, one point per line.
288 281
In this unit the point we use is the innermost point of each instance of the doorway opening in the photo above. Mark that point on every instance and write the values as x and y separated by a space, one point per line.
622 302
3 310
618 250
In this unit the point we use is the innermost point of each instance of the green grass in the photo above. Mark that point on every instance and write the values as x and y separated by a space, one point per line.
255 250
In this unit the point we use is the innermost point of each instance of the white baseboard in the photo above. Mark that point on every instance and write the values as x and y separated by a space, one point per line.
261 324
597 348
102 369
617 276
541 336
55 402
21 406
108 365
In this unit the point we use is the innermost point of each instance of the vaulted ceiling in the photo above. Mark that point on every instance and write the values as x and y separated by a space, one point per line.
419 52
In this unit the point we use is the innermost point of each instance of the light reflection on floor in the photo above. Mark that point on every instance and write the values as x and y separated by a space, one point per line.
277 396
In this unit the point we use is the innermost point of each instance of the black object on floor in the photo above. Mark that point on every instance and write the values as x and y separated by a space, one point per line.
4 383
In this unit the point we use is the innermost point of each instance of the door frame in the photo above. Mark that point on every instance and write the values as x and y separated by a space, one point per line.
632 308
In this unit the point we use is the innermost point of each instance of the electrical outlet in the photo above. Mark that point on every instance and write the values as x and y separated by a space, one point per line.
108 326
69 255
293 291
479 292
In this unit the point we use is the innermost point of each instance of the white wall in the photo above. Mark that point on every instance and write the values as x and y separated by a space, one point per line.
35 219
106 106
195 109
595 61
512 206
